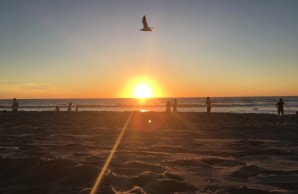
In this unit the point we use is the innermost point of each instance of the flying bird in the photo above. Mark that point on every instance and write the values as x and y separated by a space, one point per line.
145 25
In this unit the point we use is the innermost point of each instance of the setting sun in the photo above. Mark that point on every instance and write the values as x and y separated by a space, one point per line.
143 87
142 90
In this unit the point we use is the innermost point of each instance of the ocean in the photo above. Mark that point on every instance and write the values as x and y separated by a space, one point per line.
219 104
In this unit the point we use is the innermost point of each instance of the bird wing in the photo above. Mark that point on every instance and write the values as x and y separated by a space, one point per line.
144 22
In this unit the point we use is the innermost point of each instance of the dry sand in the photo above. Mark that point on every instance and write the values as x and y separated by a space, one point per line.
63 152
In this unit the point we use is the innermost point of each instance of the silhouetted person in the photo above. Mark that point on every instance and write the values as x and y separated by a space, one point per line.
175 105
280 106
168 106
57 108
208 103
69 106
77 108
15 105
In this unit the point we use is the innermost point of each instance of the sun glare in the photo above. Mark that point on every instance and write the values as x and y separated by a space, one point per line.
142 90
142 87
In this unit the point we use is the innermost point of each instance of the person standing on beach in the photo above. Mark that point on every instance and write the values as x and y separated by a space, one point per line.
69 106
15 105
175 105
168 107
208 103
280 106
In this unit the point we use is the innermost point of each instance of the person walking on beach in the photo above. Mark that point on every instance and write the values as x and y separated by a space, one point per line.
168 107
175 105
208 103
280 106
15 105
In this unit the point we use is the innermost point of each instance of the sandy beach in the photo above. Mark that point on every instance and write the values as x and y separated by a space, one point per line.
222 153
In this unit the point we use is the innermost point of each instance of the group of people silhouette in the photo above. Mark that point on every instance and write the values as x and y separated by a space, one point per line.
171 106
15 106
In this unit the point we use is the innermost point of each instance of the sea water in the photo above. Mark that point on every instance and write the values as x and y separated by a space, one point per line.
219 104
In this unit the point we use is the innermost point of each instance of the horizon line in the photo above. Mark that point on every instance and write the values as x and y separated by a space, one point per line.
146 98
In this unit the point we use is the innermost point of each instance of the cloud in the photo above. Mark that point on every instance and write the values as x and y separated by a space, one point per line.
30 84
27 90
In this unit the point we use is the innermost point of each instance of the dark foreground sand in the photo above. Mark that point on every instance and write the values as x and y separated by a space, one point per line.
63 152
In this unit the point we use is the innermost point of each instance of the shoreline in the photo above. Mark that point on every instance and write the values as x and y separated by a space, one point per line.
219 104
73 112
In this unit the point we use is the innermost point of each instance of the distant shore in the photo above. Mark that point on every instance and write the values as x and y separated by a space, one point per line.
63 152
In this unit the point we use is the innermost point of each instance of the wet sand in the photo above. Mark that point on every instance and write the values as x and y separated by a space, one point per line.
222 153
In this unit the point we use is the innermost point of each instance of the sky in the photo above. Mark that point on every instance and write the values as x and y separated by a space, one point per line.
198 48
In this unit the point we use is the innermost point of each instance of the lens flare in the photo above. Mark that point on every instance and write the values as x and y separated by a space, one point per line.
109 159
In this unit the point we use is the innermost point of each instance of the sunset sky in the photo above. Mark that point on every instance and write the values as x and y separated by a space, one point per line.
94 49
